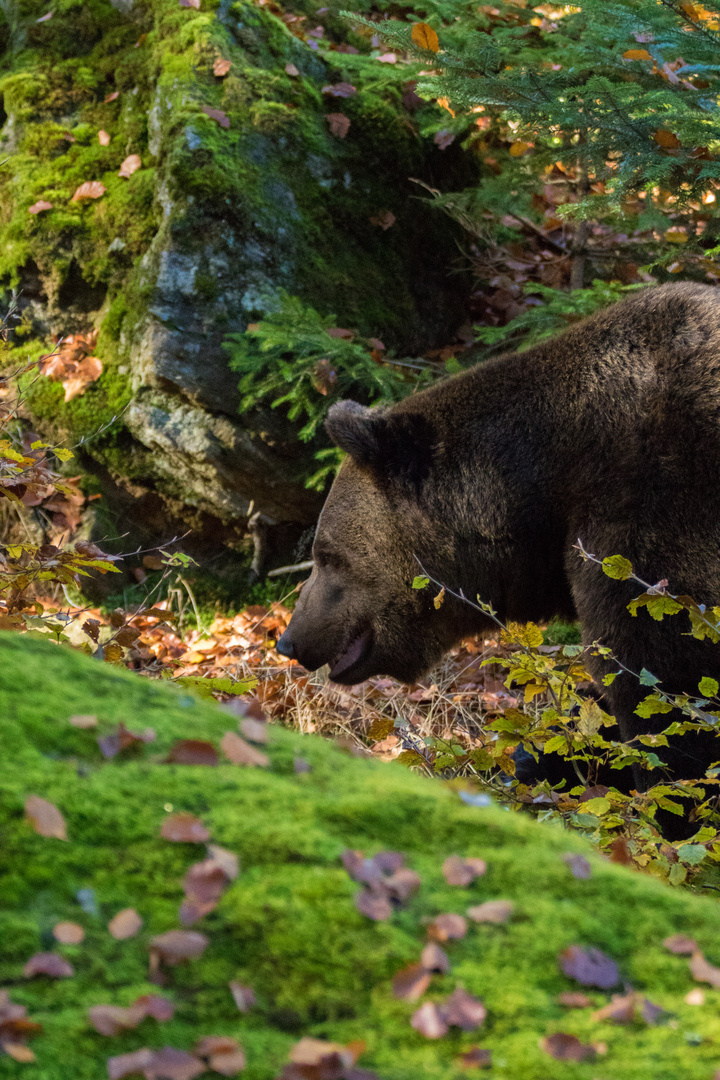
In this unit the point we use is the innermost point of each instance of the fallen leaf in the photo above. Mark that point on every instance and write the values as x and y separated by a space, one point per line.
375 905
111 1020
91 189
117 741
492 911
50 964
578 865
221 67
226 860
184 828
589 967
433 958
83 721
458 871
217 115
703 971
112 96
384 220
177 945
695 997
300 765
573 999
667 139
424 37
402 884
463 1010
676 236
45 18
192 752
339 90
38 207
446 927
18 1052
292 71
475 1058
429 1021
411 983
243 996
190 4
158 1007
680 945
203 884
68 933
566 1047
125 924
172 1064
129 1064
103 138
637 54
85 372
45 818
240 752
255 730
130 165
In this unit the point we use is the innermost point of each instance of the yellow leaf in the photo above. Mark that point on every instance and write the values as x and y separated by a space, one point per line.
533 689
381 728
438 600
676 236
112 653
637 54
425 37
444 103
518 148
667 139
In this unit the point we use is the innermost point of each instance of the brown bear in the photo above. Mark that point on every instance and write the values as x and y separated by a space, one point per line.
609 433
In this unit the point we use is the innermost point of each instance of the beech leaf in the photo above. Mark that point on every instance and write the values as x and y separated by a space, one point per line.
680 945
177 945
703 971
221 67
411 983
424 37
125 924
68 933
91 189
339 124
566 1047
45 818
492 911
38 207
458 871
589 967
463 1010
193 752
130 165
243 996
240 752
217 115
429 1021
447 927
50 964
184 828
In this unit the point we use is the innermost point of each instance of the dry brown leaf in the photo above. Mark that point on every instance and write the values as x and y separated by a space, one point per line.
129 1064
103 138
331 1058
91 189
402 884
217 115
447 927
18 1052
130 165
375 905
243 996
411 983
255 730
458 871
424 37
177 945
112 96
203 885
190 4
292 71
121 739
589 967
680 945
38 207
339 90
126 924
240 752
667 139
703 971
68 933
429 1021
566 1047
578 865
50 964
172 1064
433 958
385 219
226 860
492 911
111 1020
475 1058
463 1010
339 124
45 818
184 828
221 67
193 752
573 999
83 721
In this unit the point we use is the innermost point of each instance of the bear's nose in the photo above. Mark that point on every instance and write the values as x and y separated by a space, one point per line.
285 646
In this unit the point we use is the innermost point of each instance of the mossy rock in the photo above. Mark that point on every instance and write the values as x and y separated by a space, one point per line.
288 925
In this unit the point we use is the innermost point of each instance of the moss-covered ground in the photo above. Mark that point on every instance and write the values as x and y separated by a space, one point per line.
288 925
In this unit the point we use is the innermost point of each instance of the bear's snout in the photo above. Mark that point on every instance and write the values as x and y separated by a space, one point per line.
285 646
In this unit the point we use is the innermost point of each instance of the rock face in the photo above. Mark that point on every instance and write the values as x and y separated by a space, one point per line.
242 190
290 925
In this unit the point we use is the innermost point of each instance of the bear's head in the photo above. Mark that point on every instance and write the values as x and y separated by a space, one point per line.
378 529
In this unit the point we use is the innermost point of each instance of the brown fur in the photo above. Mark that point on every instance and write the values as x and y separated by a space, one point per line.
609 433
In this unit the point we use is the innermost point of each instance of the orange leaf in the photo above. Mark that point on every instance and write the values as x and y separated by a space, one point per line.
637 54
68 933
125 924
425 37
444 103
221 67
46 818
130 165
103 138
667 139
518 148
91 189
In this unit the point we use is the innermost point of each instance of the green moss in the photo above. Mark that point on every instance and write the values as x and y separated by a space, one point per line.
288 925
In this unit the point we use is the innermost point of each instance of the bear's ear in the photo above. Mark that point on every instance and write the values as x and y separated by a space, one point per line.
357 430
394 445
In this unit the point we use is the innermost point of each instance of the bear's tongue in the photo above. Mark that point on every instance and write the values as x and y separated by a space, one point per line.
350 656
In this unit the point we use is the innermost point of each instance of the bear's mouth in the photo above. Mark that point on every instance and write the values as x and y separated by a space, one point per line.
355 651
